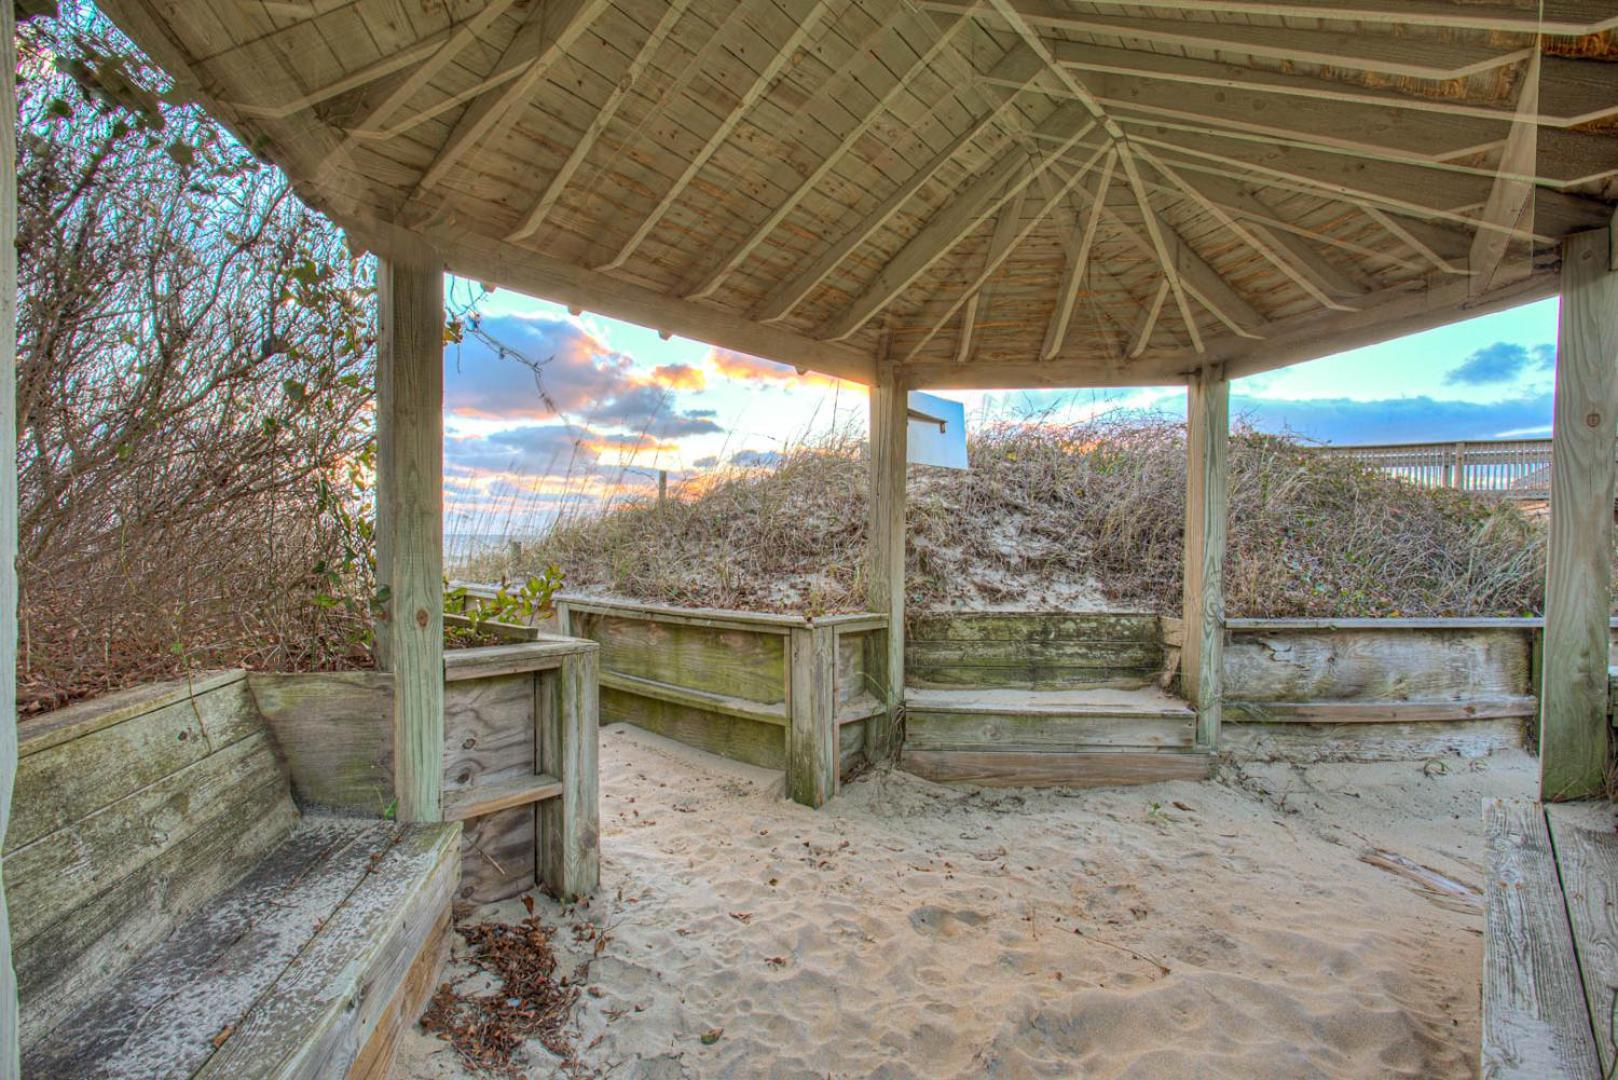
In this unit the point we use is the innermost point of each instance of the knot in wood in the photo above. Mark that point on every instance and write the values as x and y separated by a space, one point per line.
1592 420
421 618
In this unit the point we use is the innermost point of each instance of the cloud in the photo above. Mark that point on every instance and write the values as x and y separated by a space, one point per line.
735 365
1500 363
1412 419
535 358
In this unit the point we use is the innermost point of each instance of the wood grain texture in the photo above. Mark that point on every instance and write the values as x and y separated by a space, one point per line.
1020 769
567 848
1207 499
927 729
1381 712
1393 741
1397 664
756 743
410 520
1535 1023
334 731
811 743
889 409
1587 859
733 663
1573 727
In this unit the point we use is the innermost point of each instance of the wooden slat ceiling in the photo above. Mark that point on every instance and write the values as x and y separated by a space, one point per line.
981 192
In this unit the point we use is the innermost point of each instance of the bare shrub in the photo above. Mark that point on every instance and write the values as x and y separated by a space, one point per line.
1062 515
194 372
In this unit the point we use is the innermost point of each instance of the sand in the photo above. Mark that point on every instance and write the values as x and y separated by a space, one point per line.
1227 928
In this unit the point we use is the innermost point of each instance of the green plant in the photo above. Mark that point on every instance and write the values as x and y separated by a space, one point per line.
532 600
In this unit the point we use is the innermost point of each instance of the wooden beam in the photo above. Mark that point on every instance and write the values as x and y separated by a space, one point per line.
1009 232
1408 57
1496 257
1155 232
956 219
1408 235
792 292
567 837
1067 292
410 518
544 37
811 752
1148 319
598 123
727 124
1001 242
479 258
885 550
10 1040
1573 18
1573 734
1207 499
901 87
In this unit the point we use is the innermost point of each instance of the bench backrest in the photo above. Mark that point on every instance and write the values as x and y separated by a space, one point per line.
131 812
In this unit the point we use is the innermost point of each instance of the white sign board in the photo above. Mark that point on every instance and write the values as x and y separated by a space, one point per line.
937 434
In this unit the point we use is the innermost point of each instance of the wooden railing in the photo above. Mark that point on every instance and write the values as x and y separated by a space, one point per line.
1520 468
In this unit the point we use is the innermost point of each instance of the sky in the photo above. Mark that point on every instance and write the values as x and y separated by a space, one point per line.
547 413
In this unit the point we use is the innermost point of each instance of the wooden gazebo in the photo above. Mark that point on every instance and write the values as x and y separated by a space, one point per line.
949 193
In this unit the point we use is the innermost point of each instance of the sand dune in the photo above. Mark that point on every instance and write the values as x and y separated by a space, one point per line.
1226 929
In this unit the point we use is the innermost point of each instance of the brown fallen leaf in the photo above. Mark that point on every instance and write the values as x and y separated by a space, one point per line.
776 961
1178 805
742 916
224 1033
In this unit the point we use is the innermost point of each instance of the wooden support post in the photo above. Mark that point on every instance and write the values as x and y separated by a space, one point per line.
812 724
885 552
410 519
1202 656
569 827
1573 705
10 1053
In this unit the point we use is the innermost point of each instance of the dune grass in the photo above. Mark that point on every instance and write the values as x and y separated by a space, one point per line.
1059 516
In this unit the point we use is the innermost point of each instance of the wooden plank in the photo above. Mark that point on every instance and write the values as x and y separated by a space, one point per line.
488 730
1050 654
758 744
1535 1023
569 828
1046 769
497 857
66 868
1587 861
219 961
1372 665
1380 712
410 519
889 410
322 1010
1207 497
472 802
1034 626
713 618
811 739
335 734
67 963
488 661
730 663
1573 728
1496 256
375 1060
697 699
1299 742
83 718
928 729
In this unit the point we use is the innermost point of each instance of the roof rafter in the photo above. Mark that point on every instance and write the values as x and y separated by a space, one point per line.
1067 291
1001 240
1572 18
598 123
716 277
543 38
805 27
1511 199
1366 52
958 217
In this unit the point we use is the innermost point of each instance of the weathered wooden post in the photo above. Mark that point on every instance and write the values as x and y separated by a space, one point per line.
10 1053
885 549
1202 656
811 766
410 517
1573 703
567 839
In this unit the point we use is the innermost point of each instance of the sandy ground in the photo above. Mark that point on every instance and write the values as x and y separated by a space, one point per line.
1228 928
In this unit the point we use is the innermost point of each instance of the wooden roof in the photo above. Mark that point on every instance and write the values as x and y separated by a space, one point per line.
992 193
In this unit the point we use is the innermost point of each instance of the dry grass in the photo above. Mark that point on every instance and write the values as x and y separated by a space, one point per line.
1063 516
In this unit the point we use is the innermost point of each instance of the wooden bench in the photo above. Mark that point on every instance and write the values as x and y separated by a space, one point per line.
175 914
1550 946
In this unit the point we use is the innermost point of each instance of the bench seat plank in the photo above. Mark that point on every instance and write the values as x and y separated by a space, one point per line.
1588 860
1535 1022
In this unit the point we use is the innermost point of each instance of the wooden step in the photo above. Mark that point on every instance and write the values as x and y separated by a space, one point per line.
1012 768
489 798
1047 721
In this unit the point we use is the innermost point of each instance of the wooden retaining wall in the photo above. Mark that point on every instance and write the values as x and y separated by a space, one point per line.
1378 689
519 757
778 691
130 813
1032 651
